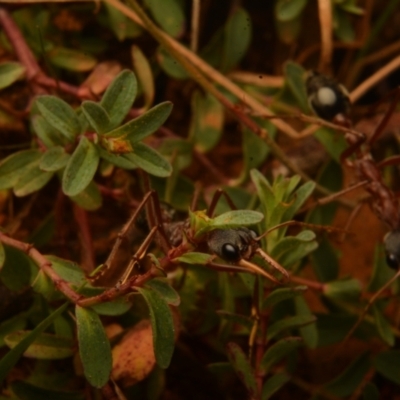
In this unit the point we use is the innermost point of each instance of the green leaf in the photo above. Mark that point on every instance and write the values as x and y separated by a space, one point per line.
2 255
278 351
207 121
44 285
96 115
343 26
383 326
46 345
143 126
27 391
46 133
194 258
90 198
291 244
150 160
67 270
232 219
16 271
119 97
370 392
71 60
10 359
169 65
287 10
333 143
119 160
15 323
53 159
32 180
242 367
349 380
118 306
59 115
169 294
289 323
162 326
10 72
81 168
309 333
255 150
94 347
15 165
381 273
144 75
282 294
387 364
325 261
168 14
273 384
348 289
237 38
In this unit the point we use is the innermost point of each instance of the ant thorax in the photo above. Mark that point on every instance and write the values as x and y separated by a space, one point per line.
326 97
232 245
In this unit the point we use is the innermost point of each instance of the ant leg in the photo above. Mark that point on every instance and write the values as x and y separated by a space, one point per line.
217 195
140 253
388 114
274 264
390 161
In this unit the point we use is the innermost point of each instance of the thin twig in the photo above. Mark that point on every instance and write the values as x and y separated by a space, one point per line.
326 26
194 34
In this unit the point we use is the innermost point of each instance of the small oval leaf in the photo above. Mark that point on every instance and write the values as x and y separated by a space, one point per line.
54 159
94 347
162 325
81 168
169 294
10 72
96 115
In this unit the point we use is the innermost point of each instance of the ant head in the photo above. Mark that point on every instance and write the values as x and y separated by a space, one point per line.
326 97
232 245
392 249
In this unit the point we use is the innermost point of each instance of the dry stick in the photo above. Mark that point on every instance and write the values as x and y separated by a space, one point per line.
374 79
212 74
194 34
325 23
88 258
44 264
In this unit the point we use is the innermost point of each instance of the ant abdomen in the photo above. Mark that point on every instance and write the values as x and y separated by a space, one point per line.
326 97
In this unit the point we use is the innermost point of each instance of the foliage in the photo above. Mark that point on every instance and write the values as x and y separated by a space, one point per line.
147 229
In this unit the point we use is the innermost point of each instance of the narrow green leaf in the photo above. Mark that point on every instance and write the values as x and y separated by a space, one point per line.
15 323
162 326
144 75
309 332
383 326
168 14
325 261
15 165
10 72
46 346
27 391
237 38
348 289
94 347
143 126
96 115
59 115
294 74
70 59
46 133
169 65
194 258
90 198
242 367
273 384
53 159
169 294
387 363
286 10
11 358
149 160
119 97
350 379
289 323
333 144
81 168
282 294
32 180
278 351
